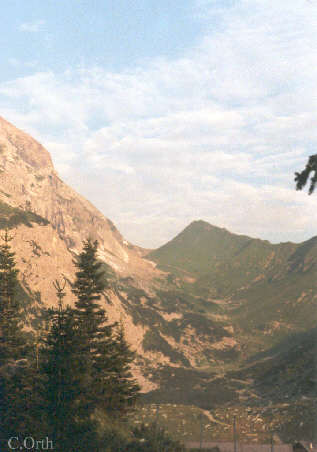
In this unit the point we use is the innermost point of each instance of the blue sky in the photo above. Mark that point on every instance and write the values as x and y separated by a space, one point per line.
55 35
161 113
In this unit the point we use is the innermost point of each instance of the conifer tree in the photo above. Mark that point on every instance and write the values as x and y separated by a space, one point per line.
105 354
12 343
126 390
69 417
94 333
16 406
301 178
90 283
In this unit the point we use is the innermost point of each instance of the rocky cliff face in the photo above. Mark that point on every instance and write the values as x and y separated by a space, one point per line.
45 250
159 323
29 181
193 310
206 300
50 222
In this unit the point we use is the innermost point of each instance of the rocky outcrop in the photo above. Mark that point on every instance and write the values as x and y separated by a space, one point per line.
45 250
29 181
51 221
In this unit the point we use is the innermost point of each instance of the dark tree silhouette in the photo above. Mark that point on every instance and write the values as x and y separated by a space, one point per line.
102 345
17 373
66 398
302 177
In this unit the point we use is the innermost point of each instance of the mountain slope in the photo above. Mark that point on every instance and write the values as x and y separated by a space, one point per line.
218 260
269 294
199 247
267 290
195 310
29 181
51 220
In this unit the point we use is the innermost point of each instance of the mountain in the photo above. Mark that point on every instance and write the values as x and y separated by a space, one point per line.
50 221
29 181
208 309
267 290
282 382
269 295
199 247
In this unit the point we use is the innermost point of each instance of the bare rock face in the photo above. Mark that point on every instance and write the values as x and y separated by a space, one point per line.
45 252
29 181
25 147
30 191
42 257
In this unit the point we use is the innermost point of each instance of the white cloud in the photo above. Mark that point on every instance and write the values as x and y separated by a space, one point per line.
32 27
216 134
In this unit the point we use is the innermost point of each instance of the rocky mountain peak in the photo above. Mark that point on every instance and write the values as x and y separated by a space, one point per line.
15 143
205 299
28 181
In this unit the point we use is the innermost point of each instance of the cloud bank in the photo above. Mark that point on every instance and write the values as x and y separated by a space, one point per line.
216 134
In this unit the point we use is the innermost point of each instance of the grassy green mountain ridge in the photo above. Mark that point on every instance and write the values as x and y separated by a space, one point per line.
268 294
264 288
198 247
221 263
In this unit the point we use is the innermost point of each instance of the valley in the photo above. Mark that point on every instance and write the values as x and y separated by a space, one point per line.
222 324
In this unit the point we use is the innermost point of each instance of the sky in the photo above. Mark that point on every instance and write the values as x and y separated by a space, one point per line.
161 113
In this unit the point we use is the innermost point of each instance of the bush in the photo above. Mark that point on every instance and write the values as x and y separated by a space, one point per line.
152 439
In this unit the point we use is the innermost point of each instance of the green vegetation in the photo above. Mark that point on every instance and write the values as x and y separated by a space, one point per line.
17 375
72 381
266 291
263 295
151 438
301 178
198 248
63 368
241 306
104 350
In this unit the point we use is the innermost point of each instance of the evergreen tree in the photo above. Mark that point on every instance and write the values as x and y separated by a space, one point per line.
301 178
125 392
12 342
89 285
106 356
67 407
96 345
16 371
